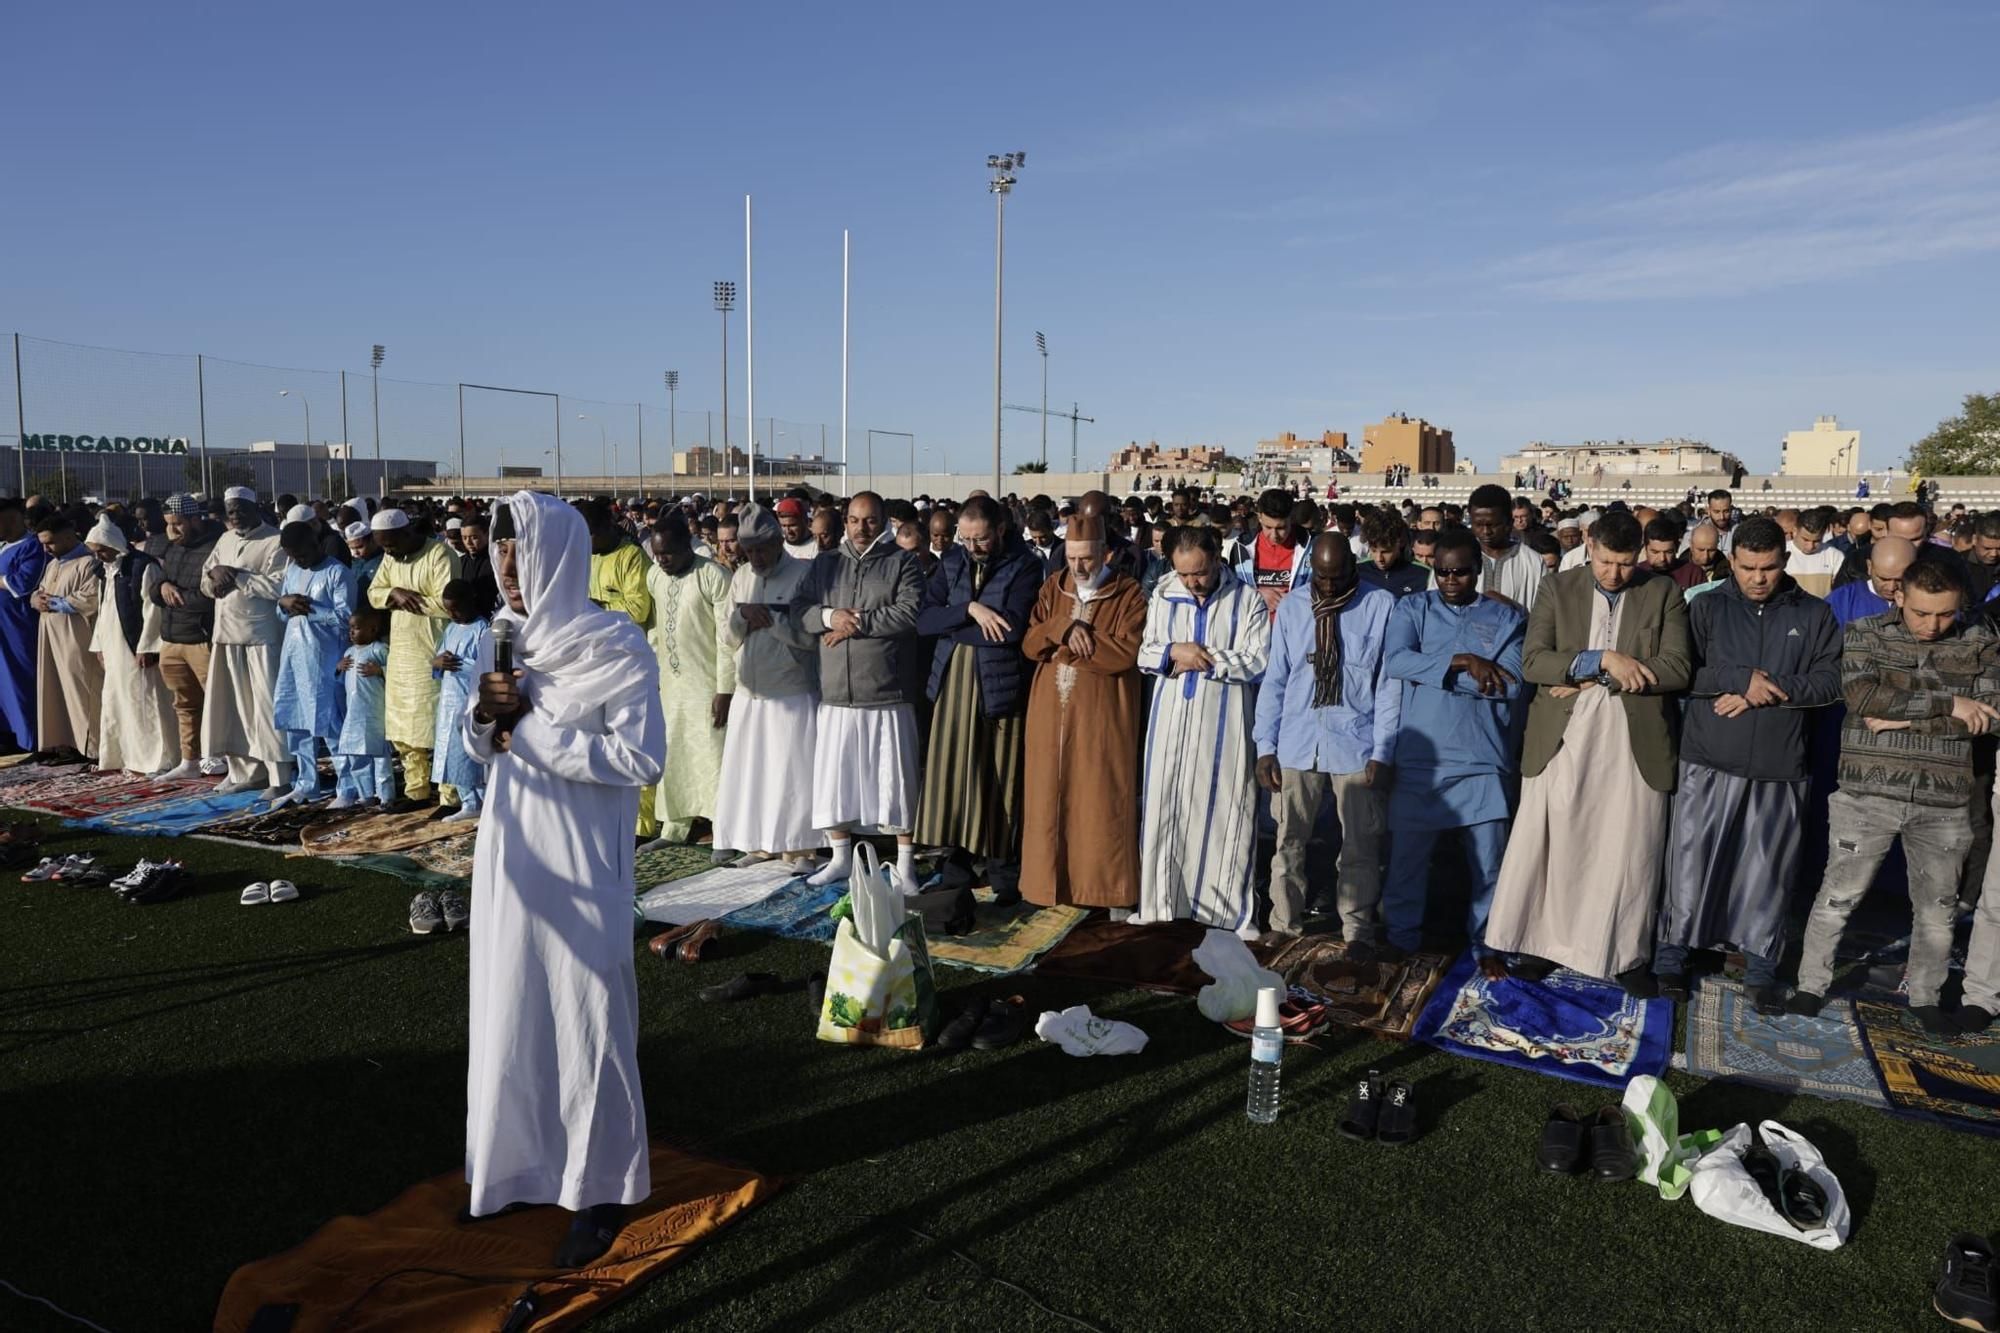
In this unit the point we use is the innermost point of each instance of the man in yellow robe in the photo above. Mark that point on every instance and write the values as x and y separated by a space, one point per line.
410 586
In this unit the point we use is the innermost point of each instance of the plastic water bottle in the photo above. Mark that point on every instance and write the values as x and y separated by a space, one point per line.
1267 1048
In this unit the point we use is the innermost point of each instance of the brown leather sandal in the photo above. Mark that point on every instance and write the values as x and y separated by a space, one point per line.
695 947
663 943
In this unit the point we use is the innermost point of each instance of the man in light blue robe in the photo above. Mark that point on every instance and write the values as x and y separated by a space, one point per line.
308 701
21 560
1457 757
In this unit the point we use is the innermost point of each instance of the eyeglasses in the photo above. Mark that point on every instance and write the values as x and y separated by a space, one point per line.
1464 573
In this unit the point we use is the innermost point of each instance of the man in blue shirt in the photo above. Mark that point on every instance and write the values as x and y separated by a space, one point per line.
1327 719
1457 658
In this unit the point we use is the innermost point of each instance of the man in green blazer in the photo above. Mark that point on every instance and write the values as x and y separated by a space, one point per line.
1608 646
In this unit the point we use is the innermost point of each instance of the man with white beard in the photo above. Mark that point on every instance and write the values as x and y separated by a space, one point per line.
244 574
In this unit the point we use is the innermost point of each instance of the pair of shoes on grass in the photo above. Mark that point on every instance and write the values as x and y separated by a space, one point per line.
1600 1146
1380 1111
431 913
274 891
76 868
985 1025
151 882
1968 1292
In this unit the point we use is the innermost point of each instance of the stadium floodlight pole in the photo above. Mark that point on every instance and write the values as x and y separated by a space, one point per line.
1003 166
381 476
843 360
725 301
749 351
1042 346
639 425
21 420
346 442
286 393
603 448
673 379
201 406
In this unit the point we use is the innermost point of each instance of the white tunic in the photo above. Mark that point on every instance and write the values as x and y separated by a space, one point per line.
136 729
237 717
554 1112
1198 807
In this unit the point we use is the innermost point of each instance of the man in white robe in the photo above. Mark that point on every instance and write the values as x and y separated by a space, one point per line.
763 800
1207 638
69 683
136 723
244 574
573 737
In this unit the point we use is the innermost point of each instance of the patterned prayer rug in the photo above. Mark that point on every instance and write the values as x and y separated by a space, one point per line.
1728 1039
797 911
712 893
1006 939
1570 1026
1383 998
71 791
1118 953
175 816
116 794
282 828
1955 1079
652 869
377 833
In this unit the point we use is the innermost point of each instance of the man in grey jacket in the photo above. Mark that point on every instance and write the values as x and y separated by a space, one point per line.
862 602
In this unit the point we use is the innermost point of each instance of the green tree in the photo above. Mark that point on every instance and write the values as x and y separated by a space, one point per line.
1967 445
1021 468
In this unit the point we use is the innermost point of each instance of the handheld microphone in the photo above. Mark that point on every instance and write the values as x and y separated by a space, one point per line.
503 647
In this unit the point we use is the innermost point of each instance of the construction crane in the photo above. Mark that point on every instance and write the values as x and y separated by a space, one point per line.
1072 416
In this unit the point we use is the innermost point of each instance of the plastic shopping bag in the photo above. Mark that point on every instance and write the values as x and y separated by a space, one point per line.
1238 977
879 987
1723 1187
1653 1116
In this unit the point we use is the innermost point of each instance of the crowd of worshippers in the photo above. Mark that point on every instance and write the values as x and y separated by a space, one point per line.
1616 736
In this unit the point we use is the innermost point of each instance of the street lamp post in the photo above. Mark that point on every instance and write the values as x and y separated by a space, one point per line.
1003 166
1042 346
725 301
673 378
287 393
901 434
375 372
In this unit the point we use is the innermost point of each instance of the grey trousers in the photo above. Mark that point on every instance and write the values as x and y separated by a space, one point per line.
1359 809
1860 831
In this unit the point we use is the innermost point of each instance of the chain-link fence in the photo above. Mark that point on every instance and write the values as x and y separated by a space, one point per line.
110 424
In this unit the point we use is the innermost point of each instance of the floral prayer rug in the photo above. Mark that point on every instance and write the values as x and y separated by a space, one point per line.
1569 1026
1824 1057
1379 997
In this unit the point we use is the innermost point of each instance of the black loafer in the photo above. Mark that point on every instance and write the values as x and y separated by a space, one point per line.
1934 1020
1005 1021
1530 968
746 987
957 1034
1398 1124
1364 1109
1561 1148
1971 1018
1611 1153
1769 1000
1674 986
1639 983
1806 1003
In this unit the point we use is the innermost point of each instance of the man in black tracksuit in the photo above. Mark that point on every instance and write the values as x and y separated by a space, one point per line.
1765 652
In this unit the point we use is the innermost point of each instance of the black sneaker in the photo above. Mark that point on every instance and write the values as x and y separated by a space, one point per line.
426 918
452 905
1972 1018
1934 1020
1968 1294
1806 1003
161 884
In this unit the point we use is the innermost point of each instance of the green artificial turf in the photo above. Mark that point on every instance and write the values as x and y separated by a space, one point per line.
193 1085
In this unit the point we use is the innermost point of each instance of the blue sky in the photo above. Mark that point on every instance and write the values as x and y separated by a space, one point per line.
1557 222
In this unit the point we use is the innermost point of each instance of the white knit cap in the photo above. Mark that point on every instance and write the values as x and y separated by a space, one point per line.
356 531
106 533
239 493
451 523
388 519
300 514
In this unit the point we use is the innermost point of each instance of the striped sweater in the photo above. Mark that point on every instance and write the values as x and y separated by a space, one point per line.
1886 672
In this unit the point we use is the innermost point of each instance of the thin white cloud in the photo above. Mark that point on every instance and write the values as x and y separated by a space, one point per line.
1206 125
1749 217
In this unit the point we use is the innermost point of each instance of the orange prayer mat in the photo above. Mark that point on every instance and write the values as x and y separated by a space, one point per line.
412 1265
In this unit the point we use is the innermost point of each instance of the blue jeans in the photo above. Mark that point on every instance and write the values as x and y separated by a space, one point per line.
1669 959
1408 885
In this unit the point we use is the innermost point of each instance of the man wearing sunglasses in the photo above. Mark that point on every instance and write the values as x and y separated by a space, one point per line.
1457 658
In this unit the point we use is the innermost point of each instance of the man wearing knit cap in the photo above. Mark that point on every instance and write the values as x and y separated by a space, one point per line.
795 523
244 574
364 557
409 584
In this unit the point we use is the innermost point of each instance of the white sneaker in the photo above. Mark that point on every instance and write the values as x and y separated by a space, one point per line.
254 895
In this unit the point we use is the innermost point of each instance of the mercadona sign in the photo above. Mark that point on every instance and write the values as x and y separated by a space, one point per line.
108 444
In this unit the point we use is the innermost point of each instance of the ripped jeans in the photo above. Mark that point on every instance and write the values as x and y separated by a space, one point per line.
1860 831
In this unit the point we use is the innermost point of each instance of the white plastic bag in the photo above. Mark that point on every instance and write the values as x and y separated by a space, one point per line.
1653 1116
1723 1188
1238 978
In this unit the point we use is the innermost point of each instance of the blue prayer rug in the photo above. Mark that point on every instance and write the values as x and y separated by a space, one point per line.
797 911
176 816
1824 1057
1569 1026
